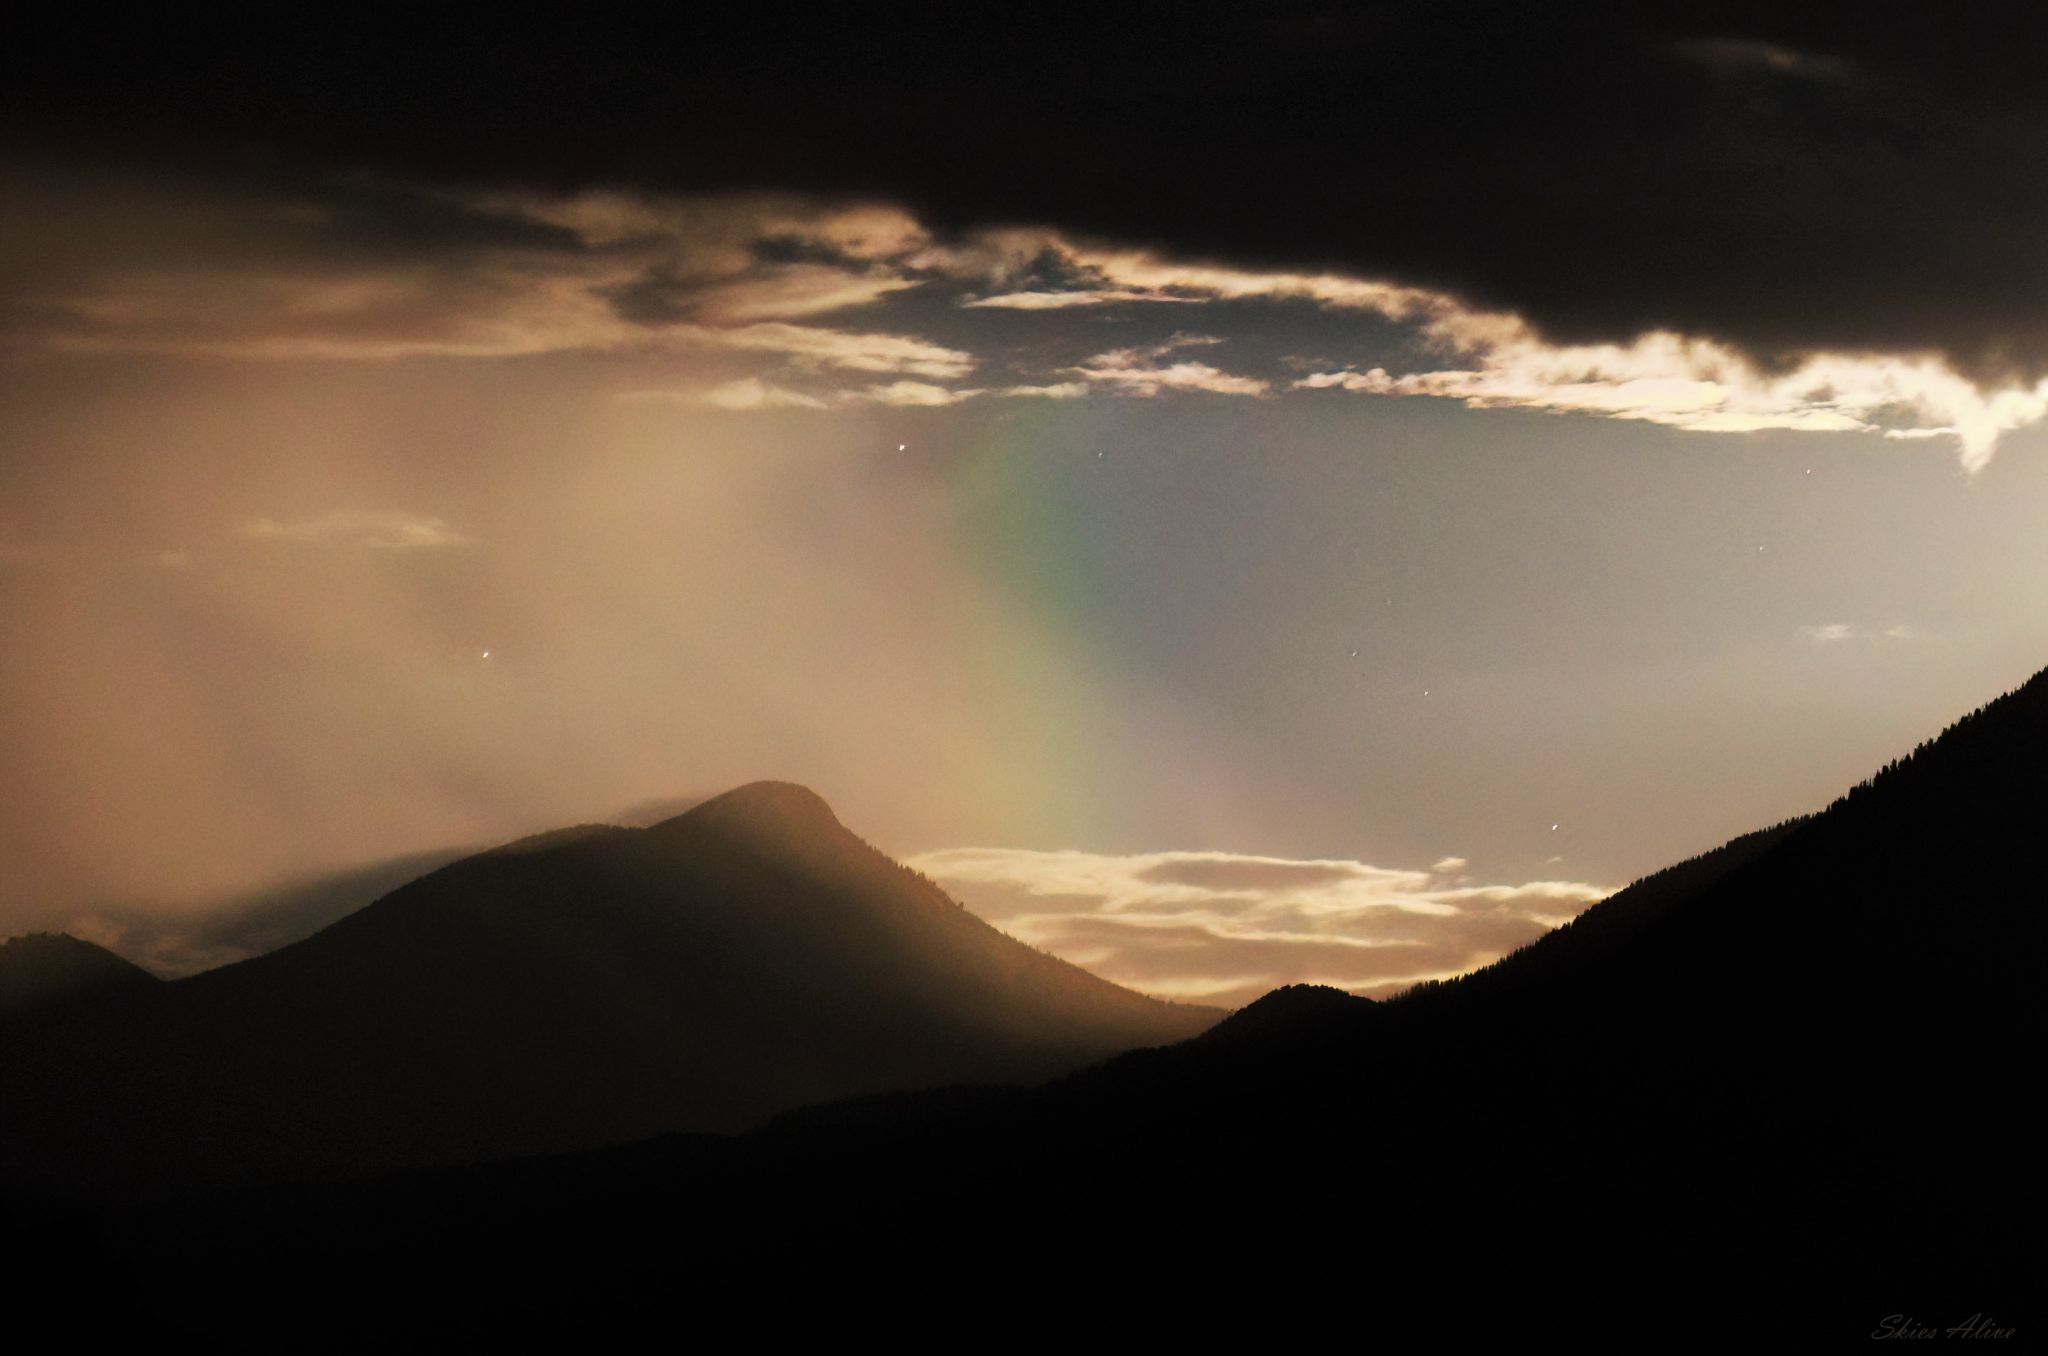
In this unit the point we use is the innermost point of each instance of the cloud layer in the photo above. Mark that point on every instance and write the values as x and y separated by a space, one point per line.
391 530
1224 928
798 304
1783 180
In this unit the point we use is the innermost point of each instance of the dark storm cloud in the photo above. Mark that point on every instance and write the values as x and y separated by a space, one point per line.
1833 176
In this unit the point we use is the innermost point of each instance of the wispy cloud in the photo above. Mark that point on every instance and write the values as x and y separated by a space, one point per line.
1139 371
1836 633
788 292
1225 928
751 393
918 393
519 275
1699 385
381 531
748 393
1066 300
1662 377
841 349
1746 55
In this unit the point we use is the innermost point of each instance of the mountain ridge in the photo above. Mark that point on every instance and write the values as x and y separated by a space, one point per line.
587 986
1770 1094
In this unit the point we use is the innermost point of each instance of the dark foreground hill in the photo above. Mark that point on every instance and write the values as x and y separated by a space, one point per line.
1777 1098
587 987
43 970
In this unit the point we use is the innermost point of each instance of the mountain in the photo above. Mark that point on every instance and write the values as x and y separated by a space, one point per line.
43 970
175 942
1771 1098
583 987
179 940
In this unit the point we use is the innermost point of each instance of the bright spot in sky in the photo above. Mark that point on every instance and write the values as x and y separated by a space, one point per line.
487 654
1553 828
903 447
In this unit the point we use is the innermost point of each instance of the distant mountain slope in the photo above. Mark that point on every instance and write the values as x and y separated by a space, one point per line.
1771 1099
584 987
47 969
176 942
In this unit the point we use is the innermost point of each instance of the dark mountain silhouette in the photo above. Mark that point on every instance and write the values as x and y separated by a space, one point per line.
176 942
1773 1098
49 969
578 988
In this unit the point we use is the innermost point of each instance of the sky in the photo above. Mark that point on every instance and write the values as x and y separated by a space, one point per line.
1308 496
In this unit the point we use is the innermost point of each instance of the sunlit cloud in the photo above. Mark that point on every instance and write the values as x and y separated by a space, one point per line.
1699 385
1225 928
615 273
1139 371
1837 633
918 393
517 276
1666 378
1067 300
748 393
840 349
751 393
791 292
383 531
1058 390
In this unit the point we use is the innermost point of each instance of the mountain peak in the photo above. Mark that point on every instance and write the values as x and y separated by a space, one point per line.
1289 1010
763 804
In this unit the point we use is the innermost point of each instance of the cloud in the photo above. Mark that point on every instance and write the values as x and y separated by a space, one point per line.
501 276
1748 55
1660 377
744 394
1836 633
381 273
1780 180
385 531
751 393
748 393
1137 371
917 393
1695 384
1059 390
837 348
1227 927
773 293
1060 301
